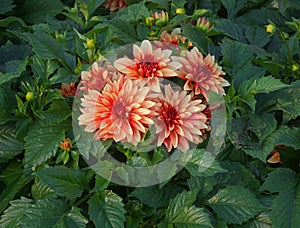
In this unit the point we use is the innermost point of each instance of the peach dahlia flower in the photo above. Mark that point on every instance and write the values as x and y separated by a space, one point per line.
96 78
174 37
202 74
149 64
179 120
121 111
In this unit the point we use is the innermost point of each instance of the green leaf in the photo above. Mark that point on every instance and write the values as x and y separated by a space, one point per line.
257 36
235 55
263 125
197 37
11 190
184 199
44 213
47 47
13 69
247 71
40 190
282 136
279 180
235 204
263 85
155 197
10 51
201 163
260 221
65 181
239 174
233 7
6 6
191 217
34 11
133 13
12 215
12 172
231 29
43 68
7 104
9 145
124 30
72 219
42 143
106 210
286 208
58 111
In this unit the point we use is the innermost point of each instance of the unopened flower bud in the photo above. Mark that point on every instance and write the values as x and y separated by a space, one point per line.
29 96
161 18
149 21
90 43
180 11
66 144
203 24
270 28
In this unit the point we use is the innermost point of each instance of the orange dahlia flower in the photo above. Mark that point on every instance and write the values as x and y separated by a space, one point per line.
149 63
121 111
202 74
179 120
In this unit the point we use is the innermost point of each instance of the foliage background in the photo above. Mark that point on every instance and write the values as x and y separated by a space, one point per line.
46 43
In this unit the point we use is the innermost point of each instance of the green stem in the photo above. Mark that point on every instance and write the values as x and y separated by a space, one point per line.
287 46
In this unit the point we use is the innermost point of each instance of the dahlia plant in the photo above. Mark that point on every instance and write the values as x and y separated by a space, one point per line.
149 113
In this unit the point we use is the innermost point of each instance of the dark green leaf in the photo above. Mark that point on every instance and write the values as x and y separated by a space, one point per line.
44 213
263 125
58 111
239 174
235 204
42 142
233 7
279 180
106 210
65 181
9 145
231 29
191 216
182 200
257 36
247 71
36 10
12 215
6 6
13 69
235 55
11 51
262 85
286 208
12 172
197 37
47 47
282 136
40 190
11 190
7 104
124 30
201 163
133 13
72 219
43 68
153 196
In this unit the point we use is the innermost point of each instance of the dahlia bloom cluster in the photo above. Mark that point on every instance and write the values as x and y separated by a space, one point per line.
122 100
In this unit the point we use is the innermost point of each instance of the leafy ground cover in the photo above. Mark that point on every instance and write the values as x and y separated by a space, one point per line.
48 47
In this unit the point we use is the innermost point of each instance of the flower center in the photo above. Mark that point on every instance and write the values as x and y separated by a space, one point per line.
119 110
170 115
147 69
